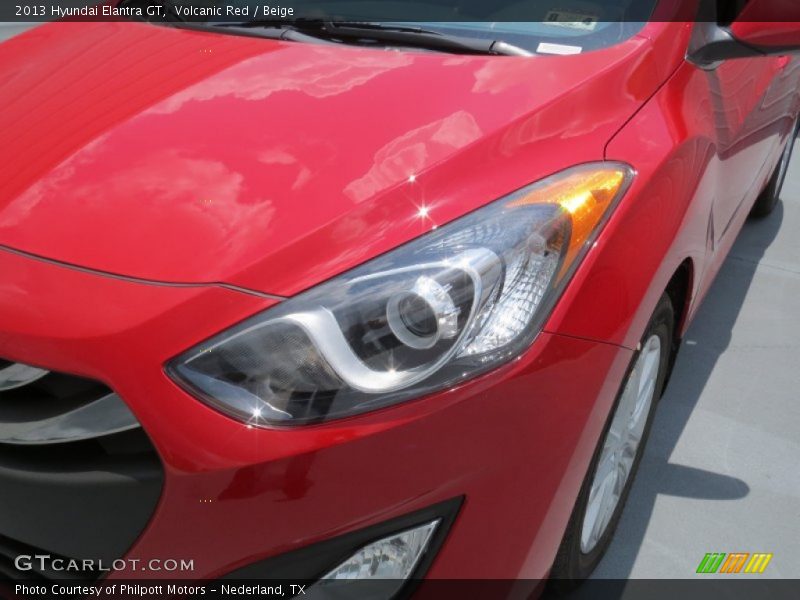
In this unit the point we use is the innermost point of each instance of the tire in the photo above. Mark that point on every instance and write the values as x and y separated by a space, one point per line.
580 551
768 199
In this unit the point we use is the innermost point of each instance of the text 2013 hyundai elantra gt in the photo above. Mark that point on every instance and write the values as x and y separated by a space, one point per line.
344 304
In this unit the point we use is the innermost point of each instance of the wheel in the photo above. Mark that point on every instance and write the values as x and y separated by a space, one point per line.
768 199
617 456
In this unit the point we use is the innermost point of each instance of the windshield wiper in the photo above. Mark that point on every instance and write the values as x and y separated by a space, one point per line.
304 29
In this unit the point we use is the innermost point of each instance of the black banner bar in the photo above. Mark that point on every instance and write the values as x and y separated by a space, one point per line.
730 587
564 13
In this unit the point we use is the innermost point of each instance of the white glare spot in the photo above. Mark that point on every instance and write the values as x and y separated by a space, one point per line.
412 178
256 413
423 212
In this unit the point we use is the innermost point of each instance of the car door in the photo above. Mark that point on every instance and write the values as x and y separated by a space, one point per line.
751 107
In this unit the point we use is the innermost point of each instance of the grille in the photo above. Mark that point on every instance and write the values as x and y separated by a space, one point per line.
39 407
79 476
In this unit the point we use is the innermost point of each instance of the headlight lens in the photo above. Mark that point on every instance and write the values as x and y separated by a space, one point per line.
443 308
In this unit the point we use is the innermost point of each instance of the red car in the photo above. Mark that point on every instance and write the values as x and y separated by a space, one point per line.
307 300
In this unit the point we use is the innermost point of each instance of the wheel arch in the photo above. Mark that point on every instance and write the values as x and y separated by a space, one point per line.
679 289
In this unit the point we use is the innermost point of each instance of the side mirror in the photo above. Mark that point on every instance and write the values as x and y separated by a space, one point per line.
763 28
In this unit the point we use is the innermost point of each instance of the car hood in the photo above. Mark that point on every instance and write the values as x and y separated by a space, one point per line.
192 157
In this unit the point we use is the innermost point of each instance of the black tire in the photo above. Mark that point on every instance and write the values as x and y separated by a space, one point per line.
572 565
768 199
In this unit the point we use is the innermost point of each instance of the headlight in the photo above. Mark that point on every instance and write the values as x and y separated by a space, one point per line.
447 306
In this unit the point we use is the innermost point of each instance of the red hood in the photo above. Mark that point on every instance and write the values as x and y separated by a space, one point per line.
180 156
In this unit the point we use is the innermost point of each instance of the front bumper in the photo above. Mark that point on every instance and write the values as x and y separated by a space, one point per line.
514 444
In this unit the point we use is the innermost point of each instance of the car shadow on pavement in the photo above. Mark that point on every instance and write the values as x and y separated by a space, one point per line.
708 337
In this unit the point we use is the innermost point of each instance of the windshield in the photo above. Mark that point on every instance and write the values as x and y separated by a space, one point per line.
552 26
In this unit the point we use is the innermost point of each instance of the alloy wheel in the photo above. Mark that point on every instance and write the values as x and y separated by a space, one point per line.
621 444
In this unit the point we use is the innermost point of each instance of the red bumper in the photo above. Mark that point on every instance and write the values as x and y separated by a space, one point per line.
515 443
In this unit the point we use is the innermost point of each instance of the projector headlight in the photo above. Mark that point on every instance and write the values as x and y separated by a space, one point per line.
452 304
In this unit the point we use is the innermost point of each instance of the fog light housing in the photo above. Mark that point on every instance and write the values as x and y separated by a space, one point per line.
379 569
